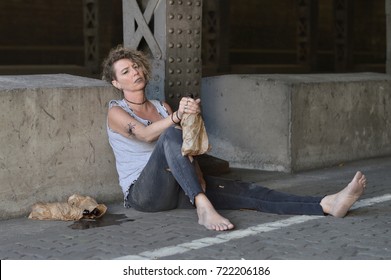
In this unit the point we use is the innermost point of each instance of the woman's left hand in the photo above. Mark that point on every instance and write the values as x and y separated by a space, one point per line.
188 105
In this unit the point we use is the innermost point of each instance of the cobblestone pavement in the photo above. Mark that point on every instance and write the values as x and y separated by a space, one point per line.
127 234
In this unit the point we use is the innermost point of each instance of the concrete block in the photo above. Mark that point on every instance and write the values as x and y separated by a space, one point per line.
297 122
53 141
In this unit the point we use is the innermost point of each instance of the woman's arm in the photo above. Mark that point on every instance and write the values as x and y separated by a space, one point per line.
124 124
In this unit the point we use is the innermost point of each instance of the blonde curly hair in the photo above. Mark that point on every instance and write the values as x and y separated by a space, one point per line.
121 52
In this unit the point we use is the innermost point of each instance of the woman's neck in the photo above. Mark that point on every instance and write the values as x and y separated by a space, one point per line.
136 103
135 99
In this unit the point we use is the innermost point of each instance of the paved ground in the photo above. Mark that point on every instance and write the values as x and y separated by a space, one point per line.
127 234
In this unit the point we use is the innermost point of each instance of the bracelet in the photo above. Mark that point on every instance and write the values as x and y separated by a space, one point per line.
172 119
176 113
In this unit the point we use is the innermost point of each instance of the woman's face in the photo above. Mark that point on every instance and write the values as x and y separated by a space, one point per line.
129 75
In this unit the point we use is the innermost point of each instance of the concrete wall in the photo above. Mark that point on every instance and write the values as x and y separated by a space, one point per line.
247 119
297 122
53 141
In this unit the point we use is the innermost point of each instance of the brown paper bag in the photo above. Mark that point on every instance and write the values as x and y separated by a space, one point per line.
87 203
195 138
77 207
55 211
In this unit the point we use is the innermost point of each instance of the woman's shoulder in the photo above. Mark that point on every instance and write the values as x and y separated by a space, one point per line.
156 102
116 103
118 109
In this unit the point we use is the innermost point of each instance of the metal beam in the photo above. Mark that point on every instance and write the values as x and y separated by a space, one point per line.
171 32
215 36
343 34
388 38
91 35
307 29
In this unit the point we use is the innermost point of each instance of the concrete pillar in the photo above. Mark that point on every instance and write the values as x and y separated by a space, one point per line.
297 122
171 32
54 141
388 14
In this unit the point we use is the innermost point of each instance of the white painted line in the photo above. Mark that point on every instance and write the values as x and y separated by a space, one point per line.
371 201
237 234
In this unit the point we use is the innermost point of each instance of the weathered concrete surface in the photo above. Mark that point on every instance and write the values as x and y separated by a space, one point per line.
297 122
53 141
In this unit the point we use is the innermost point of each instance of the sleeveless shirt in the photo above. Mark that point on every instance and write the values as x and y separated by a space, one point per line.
131 155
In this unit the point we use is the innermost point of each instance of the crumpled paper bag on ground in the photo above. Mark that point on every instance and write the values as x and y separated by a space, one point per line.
195 138
77 207
88 203
55 211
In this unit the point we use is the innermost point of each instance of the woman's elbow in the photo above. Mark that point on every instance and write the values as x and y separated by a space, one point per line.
148 138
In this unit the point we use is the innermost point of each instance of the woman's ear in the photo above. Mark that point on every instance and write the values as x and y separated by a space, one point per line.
116 84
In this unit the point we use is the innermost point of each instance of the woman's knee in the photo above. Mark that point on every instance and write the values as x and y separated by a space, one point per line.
172 136
154 206
173 132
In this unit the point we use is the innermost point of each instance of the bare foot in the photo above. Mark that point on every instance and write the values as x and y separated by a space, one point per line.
208 216
339 204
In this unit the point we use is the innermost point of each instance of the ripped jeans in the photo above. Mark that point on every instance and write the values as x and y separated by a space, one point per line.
169 177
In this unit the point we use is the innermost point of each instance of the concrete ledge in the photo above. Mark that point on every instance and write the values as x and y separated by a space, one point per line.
53 141
297 122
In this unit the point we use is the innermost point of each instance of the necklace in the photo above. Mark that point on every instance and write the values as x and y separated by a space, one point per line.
135 103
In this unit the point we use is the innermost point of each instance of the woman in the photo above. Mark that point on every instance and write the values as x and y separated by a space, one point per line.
146 141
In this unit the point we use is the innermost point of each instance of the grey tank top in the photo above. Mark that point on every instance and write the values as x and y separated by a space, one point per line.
131 155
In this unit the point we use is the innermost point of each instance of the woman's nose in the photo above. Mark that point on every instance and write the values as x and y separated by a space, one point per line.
135 71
